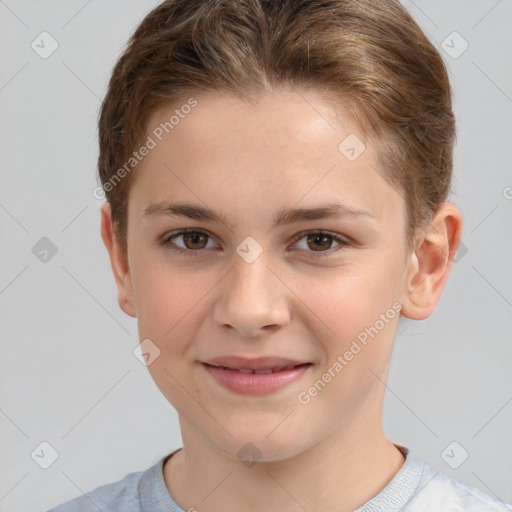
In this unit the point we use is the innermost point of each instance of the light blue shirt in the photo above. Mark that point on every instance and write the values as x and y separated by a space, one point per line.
417 487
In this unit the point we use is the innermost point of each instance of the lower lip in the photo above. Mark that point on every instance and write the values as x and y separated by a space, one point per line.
255 383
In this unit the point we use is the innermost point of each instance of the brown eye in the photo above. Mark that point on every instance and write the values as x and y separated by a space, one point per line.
319 241
195 240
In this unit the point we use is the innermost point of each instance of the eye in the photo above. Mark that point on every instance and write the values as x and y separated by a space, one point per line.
193 241
318 243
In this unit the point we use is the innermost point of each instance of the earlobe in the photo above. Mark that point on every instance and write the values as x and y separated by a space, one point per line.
119 264
431 263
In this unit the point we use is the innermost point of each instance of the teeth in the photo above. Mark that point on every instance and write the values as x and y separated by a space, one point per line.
265 371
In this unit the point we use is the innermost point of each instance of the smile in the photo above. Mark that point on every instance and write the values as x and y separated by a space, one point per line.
251 381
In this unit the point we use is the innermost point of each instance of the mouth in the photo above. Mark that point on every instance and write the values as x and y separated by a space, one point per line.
266 363
263 371
257 376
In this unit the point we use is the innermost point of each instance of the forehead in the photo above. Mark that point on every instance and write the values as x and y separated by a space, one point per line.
286 147
293 116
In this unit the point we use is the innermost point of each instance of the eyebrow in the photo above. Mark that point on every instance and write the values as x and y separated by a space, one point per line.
284 216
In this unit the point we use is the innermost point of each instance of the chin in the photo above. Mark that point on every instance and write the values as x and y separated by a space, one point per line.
251 446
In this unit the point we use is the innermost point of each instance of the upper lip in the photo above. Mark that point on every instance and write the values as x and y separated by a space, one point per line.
260 363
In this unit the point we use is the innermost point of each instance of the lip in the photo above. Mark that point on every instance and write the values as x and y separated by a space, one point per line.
258 363
225 371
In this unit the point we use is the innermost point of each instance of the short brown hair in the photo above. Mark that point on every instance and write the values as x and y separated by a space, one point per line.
370 55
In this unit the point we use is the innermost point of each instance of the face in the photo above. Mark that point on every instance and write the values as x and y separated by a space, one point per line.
310 288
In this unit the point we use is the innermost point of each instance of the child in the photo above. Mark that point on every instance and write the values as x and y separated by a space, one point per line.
276 175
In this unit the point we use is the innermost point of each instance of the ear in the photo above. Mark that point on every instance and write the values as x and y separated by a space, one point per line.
118 261
431 262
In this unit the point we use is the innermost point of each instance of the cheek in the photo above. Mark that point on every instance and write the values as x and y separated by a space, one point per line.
169 300
344 307
338 302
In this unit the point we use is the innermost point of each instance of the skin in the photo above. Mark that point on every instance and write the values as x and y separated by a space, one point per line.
247 162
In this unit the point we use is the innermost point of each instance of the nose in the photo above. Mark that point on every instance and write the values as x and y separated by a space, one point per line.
252 299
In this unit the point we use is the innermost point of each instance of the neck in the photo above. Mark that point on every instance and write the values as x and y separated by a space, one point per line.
341 473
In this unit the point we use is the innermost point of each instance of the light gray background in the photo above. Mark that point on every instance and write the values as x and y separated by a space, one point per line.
68 373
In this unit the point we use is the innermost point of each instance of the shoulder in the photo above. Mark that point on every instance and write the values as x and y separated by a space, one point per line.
437 491
122 495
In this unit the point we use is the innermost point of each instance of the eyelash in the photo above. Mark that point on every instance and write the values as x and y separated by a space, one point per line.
166 243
